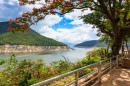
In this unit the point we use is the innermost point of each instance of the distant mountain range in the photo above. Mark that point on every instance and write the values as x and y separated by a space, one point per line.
93 43
27 38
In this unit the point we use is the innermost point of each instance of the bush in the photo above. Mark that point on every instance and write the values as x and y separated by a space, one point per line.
62 65
27 72
91 61
84 72
101 52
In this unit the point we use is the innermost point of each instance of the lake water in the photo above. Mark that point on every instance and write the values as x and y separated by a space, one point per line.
48 56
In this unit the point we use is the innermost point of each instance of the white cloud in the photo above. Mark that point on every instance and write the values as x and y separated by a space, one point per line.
75 16
49 20
10 3
75 35
75 22
2 2
37 5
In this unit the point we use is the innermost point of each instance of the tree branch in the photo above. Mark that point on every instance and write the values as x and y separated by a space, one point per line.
124 19
106 32
104 8
110 6
91 9
114 2
126 31
120 1
128 20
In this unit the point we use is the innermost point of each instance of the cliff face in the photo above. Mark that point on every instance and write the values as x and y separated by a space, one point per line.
27 48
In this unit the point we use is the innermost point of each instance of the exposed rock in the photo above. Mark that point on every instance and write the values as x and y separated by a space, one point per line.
27 48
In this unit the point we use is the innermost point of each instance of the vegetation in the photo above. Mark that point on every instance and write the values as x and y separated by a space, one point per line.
95 43
27 72
111 17
101 52
28 38
112 20
92 43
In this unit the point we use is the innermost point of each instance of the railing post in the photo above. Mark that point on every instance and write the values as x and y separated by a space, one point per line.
117 61
76 78
110 62
99 74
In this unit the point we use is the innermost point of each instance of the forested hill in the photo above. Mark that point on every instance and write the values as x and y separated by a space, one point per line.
27 38
92 43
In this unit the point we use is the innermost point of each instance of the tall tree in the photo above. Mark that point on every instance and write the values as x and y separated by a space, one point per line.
115 11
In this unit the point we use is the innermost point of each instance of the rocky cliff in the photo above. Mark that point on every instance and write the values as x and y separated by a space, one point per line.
27 48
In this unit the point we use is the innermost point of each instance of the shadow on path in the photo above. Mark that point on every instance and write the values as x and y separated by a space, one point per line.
118 77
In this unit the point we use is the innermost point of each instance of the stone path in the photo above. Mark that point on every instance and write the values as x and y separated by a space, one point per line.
118 77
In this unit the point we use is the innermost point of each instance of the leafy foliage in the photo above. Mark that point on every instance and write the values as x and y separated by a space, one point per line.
93 59
92 43
101 52
27 72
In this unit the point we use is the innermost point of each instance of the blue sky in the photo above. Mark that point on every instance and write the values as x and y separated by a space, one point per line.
66 28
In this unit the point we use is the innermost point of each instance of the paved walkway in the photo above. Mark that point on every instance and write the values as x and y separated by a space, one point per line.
118 77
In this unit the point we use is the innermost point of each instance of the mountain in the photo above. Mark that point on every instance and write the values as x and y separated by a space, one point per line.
27 38
92 43
70 44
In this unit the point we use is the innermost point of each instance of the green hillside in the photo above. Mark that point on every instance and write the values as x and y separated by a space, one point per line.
92 43
27 38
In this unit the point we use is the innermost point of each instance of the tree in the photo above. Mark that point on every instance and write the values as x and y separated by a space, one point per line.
116 12
100 21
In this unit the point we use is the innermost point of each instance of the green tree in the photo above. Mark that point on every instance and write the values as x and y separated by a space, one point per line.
116 12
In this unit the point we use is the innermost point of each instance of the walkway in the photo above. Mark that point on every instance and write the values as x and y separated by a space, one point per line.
118 77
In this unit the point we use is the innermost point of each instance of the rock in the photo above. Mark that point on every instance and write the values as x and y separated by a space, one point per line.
29 48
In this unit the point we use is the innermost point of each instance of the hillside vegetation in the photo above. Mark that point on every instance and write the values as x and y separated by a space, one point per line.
27 38
93 43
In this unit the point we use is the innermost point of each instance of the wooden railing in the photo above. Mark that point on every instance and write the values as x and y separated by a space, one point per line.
104 67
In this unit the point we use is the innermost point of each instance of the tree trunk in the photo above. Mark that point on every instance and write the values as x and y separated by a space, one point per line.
123 49
116 45
127 46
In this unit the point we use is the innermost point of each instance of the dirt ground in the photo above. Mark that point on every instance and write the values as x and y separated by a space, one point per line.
118 77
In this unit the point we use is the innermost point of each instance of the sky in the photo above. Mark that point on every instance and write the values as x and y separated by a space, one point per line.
68 28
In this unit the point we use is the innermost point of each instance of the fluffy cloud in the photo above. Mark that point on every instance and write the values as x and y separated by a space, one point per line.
10 9
1 1
49 21
75 16
77 21
75 35
10 3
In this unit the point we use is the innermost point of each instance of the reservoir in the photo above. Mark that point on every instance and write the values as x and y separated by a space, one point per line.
49 56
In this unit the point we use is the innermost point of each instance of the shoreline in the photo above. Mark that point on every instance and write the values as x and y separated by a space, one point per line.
31 48
86 47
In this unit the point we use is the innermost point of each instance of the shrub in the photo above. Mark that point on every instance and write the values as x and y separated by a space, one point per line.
91 61
27 72
84 72
102 52
62 65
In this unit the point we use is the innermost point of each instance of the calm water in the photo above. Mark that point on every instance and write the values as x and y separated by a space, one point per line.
49 56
